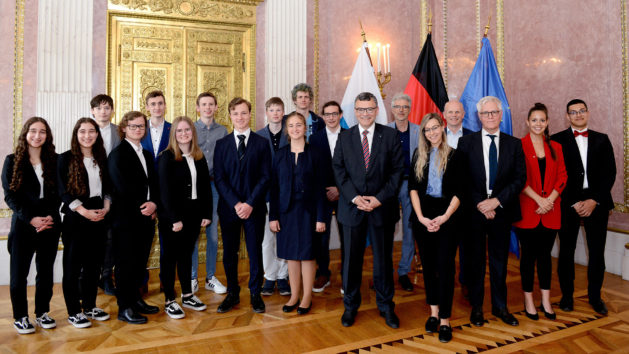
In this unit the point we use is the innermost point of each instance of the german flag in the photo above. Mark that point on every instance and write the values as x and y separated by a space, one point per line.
426 86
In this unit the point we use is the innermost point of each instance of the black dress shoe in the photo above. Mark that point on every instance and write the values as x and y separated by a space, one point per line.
290 308
505 316
130 316
566 304
230 301
257 304
432 324
533 316
445 334
477 318
405 282
390 318
348 318
599 306
304 310
549 315
144 308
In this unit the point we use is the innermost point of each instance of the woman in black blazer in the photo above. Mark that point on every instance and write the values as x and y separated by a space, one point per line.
30 190
83 185
297 209
186 200
434 194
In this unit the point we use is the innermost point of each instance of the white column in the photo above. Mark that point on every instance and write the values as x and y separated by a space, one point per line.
285 48
64 65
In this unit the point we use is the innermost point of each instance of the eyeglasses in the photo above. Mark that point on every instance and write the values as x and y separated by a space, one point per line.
136 126
401 107
365 110
333 114
581 112
433 129
489 113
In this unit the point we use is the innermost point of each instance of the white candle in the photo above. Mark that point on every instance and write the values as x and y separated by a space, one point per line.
378 45
388 58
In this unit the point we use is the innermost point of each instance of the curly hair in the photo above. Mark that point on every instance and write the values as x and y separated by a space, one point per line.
22 158
77 174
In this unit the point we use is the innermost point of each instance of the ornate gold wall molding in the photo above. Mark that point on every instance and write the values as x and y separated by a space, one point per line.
18 69
224 10
316 56
478 27
500 34
424 22
624 207
444 12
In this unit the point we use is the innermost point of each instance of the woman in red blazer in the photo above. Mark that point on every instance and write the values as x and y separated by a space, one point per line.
546 179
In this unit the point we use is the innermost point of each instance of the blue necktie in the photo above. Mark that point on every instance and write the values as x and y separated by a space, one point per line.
493 161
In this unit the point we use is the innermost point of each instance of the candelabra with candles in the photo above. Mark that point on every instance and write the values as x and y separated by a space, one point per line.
381 78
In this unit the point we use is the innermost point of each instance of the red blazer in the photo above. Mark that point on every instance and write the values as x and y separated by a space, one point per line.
554 178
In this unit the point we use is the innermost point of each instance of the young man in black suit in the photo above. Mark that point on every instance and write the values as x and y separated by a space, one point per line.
591 167
242 170
495 174
368 166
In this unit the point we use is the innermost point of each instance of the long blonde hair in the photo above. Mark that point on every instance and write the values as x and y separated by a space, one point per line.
423 148
195 151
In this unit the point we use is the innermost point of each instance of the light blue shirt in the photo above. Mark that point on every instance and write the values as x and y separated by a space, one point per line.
434 176
309 126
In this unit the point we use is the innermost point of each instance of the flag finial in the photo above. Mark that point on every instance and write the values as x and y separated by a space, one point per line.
362 31
487 26
429 21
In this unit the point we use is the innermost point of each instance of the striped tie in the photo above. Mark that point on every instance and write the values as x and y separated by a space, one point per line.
366 149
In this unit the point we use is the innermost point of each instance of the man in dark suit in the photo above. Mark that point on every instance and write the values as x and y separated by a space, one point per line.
158 129
242 170
495 173
591 168
368 165
325 140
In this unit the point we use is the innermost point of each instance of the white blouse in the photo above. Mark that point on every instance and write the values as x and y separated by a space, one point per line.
39 172
193 174
94 180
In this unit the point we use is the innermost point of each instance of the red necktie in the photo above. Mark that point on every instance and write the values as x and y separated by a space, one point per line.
366 149
584 133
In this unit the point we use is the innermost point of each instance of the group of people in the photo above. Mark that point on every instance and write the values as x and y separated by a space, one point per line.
281 186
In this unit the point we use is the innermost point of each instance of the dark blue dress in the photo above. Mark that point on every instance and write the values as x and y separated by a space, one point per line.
297 201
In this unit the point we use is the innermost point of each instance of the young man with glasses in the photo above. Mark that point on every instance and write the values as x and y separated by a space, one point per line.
408 134
587 198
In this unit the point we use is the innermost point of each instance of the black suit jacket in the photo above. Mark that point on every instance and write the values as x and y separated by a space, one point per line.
63 167
510 178
245 180
130 184
467 131
175 187
601 168
381 180
25 202
320 140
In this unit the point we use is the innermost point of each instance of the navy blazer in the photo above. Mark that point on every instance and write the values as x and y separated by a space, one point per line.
382 179
175 187
281 188
510 178
130 184
245 180
601 168
147 142
320 140
63 168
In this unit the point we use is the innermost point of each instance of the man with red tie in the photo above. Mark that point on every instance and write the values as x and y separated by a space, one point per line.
591 167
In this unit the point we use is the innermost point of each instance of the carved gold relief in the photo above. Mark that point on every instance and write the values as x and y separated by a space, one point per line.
18 69
200 9
624 207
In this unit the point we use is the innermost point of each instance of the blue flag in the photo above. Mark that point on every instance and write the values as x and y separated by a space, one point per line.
485 81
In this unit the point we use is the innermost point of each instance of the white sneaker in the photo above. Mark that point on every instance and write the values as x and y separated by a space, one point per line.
174 310
195 286
44 321
79 320
97 314
215 285
193 302
23 326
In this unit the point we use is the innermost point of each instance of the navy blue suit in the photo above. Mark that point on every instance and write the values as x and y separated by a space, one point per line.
244 181
147 141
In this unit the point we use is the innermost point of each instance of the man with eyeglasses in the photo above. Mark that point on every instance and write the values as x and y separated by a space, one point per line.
591 168
408 134
368 166
495 173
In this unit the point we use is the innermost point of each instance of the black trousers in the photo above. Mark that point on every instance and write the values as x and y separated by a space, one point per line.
132 247
595 236
254 234
536 245
381 238
109 259
437 251
23 243
83 247
177 248
490 236
321 247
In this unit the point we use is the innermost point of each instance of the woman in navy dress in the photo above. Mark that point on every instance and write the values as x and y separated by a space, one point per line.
297 209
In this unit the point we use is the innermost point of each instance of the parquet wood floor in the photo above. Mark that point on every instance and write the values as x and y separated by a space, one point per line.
243 331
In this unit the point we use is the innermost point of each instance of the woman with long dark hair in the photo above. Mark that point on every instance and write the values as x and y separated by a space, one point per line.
83 185
30 190
186 200
546 178
434 191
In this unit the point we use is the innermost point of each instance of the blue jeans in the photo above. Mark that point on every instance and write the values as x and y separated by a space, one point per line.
211 233
408 242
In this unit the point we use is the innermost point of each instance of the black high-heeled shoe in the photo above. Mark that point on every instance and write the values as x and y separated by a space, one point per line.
533 316
304 310
549 315
290 308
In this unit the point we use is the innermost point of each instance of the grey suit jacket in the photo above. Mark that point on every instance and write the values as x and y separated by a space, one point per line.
414 135
115 138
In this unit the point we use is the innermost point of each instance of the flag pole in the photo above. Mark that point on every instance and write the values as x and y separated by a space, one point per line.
429 21
362 31
487 26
